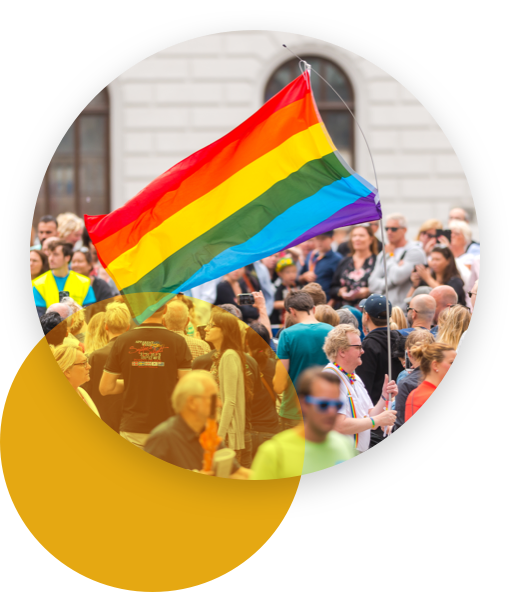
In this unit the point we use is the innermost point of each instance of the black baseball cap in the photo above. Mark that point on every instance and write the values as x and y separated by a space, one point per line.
375 306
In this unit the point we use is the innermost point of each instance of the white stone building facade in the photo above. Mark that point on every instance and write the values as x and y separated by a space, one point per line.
189 95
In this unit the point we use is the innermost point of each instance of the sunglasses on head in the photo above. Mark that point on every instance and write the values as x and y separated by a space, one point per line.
324 404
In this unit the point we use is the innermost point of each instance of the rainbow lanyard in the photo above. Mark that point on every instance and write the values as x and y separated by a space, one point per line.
341 374
351 377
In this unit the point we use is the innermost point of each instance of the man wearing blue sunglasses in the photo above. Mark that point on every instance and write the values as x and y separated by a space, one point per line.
313 446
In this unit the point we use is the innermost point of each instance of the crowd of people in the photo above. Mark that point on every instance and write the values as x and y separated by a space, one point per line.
289 356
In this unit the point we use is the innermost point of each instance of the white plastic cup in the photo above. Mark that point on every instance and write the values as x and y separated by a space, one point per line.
222 462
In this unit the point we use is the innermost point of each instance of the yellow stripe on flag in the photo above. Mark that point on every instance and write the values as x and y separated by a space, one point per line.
224 200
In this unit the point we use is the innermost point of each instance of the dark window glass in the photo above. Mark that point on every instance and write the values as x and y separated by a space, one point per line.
334 113
77 178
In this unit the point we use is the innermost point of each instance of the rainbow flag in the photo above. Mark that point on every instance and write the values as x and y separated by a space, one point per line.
272 182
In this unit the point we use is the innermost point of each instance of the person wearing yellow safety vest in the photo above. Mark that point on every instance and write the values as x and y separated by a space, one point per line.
47 286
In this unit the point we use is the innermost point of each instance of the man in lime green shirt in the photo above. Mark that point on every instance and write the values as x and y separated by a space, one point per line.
313 446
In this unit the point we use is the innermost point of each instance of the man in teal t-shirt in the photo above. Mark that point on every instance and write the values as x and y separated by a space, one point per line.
313 446
300 347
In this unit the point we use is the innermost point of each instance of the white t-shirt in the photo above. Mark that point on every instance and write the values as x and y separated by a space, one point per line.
398 252
361 401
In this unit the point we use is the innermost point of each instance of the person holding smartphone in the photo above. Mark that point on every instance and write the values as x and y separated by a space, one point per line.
228 290
428 234
441 271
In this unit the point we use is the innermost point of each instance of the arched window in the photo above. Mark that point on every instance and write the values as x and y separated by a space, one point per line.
78 177
334 113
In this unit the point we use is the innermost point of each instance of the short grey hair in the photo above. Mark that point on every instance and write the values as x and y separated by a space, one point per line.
347 317
191 384
463 227
337 340
176 316
400 218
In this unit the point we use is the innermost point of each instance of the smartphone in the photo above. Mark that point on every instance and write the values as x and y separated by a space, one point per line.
244 299
201 330
446 233
62 295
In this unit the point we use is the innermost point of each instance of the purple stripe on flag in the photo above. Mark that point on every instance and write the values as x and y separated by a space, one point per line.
363 210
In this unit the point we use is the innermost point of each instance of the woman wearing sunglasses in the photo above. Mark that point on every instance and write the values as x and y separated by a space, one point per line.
75 367
427 235
358 415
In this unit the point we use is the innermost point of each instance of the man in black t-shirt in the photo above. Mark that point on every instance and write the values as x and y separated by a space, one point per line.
151 359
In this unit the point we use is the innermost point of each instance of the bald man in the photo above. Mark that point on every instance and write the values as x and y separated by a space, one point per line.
420 313
177 320
64 310
458 214
445 296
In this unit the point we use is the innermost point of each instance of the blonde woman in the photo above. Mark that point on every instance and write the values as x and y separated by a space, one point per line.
116 321
435 360
412 378
75 367
453 325
399 318
427 234
96 337
70 227
77 325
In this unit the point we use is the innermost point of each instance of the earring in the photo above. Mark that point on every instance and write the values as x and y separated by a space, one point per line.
437 370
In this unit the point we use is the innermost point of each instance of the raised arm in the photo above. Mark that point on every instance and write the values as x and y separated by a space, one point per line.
260 305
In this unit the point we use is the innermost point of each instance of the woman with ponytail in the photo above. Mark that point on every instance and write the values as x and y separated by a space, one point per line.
235 382
435 359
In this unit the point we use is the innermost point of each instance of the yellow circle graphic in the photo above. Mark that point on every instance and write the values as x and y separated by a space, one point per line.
114 513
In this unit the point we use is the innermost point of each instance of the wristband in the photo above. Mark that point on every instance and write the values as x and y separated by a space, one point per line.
373 422
385 400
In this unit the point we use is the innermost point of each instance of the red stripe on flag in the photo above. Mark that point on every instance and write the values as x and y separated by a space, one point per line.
101 227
